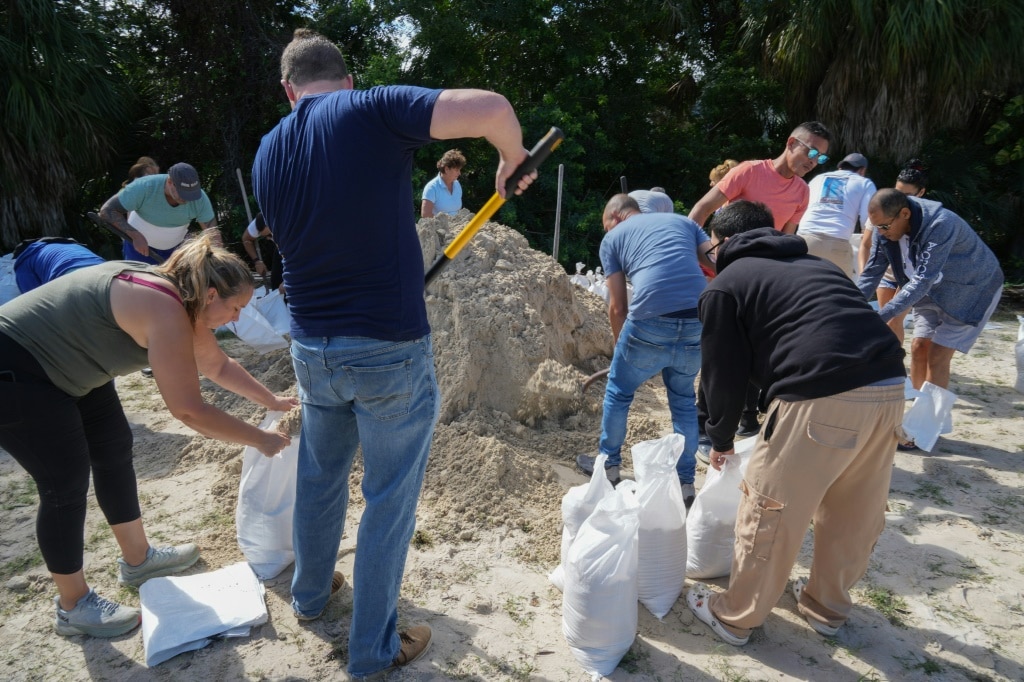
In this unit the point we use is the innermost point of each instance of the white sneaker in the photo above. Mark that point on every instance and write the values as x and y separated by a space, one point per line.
697 600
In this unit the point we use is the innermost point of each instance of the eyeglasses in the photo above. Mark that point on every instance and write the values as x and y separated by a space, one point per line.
885 227
813 153
710 253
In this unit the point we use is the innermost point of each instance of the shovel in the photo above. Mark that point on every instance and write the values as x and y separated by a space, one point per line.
536 156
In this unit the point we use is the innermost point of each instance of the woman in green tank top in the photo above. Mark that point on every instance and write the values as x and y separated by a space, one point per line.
61 345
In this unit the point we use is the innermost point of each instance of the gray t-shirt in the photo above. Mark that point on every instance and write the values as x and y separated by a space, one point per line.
69 328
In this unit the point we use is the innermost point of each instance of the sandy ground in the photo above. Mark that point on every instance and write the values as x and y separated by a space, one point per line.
942 599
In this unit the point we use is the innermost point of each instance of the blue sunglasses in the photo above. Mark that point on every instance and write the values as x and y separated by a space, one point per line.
813 153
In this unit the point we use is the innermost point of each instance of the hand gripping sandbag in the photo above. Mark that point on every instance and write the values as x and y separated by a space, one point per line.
577 505
599 610
711 523
662 533
266 503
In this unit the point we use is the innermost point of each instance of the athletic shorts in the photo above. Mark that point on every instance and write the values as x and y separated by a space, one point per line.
931 322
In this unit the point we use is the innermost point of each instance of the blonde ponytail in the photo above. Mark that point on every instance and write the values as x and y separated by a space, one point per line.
199 264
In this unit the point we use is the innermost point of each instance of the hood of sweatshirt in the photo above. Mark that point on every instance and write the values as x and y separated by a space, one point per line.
763 242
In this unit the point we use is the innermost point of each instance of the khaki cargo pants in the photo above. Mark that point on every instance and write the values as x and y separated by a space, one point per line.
828 460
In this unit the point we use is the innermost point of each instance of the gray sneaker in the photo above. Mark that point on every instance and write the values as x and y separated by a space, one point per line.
97 617
160 561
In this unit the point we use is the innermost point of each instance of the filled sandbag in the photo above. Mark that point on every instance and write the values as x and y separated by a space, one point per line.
599 605
662 531
266 505
577 504
711 523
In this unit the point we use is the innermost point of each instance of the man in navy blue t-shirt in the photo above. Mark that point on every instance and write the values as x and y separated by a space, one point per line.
334 179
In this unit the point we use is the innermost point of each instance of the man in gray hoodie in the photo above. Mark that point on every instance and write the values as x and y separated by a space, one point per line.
954 287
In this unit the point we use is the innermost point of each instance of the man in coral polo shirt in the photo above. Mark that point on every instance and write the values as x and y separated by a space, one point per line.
777 183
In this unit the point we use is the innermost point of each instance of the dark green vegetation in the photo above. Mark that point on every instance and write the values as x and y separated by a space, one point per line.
658 92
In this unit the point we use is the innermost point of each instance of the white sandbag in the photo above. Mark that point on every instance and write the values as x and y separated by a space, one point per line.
1019 349
579 279
601 289
661 536
275 311
927 417
599 609
253 328
909 392
577 504
185 613
266 504
711 523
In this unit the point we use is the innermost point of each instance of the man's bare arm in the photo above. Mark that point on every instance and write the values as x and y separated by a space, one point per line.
707 205
481 113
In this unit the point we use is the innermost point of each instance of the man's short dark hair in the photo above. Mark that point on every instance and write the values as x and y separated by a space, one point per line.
311 57
815 128
741 216
889 201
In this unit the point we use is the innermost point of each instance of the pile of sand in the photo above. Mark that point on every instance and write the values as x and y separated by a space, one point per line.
513 341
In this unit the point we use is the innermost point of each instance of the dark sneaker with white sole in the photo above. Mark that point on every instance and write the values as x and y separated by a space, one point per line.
689 493
704 449
97 617
586 465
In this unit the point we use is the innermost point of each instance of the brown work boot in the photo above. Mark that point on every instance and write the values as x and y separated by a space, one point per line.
337 582
415 642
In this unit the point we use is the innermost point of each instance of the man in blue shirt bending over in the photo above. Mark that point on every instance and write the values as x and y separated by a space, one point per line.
658 331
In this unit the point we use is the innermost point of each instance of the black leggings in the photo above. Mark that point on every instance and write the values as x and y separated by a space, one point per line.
58 439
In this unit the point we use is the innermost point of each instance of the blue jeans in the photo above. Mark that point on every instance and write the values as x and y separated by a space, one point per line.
645 347
383 396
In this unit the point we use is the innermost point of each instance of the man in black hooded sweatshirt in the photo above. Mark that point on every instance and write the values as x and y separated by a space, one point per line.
831 377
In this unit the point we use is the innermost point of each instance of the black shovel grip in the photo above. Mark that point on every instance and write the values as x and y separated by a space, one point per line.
540 151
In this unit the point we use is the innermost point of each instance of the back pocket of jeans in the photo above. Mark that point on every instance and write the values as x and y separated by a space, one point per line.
644 355
386 391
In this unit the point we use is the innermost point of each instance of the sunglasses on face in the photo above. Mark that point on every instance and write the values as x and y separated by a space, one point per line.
885 228
813 153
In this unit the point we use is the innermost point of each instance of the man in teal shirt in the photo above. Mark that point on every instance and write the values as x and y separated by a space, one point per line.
156 211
